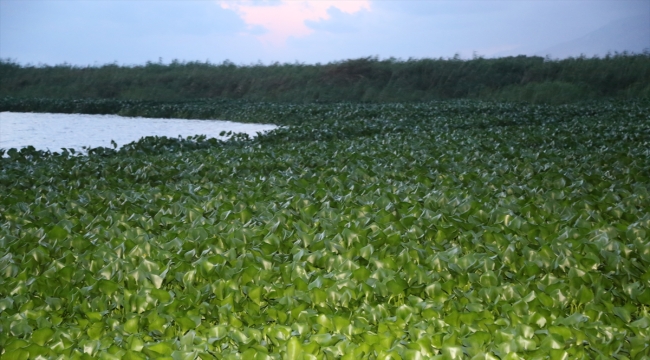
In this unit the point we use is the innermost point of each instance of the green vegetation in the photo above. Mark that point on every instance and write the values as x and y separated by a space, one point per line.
444 230
531 79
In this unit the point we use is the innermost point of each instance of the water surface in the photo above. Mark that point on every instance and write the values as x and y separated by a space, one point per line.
52 132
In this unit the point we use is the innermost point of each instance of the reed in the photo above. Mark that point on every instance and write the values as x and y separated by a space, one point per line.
521 78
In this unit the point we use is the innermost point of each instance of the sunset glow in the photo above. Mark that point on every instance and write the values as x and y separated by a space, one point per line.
287 18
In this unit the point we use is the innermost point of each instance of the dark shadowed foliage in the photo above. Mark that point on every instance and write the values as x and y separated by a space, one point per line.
521 78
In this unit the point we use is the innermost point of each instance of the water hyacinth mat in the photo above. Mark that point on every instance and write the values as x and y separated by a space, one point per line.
457 230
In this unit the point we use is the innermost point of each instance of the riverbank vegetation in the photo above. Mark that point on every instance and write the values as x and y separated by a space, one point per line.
443 230
367 80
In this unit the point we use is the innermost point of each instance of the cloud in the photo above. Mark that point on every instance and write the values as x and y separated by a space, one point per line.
288 18
446 7
338 23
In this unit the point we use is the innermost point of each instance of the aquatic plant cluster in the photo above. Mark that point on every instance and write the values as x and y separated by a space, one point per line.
444 230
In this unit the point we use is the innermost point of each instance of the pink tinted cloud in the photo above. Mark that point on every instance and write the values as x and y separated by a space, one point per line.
287 18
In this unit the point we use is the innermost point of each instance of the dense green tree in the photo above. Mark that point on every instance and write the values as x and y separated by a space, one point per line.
521 78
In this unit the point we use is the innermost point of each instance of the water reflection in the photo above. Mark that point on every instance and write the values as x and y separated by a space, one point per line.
55 131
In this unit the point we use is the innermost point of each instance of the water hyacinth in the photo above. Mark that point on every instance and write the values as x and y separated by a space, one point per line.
444 230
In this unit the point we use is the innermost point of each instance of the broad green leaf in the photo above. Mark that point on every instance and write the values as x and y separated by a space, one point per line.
361 274
161 295
396 286
255 294
218 332
20 328
323 339
452 352
57 233
108 287
294 349
95 331
42 336
6 303
17 354
644 297
623 313
585 295
366 251
133 355
131 326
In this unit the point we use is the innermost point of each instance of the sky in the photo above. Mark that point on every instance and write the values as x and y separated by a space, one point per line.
97 32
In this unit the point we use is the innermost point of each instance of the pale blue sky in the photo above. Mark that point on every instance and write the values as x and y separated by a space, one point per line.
84 32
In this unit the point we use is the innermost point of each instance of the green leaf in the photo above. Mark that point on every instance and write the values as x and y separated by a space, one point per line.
161 295
323 339
131 326
573 320
585 295
42 336
95 331
17 354
20 328
562 331
108 287
623 313
489 279
294 349
452 352
366 251
396 286
644 297
132 355
361 274
57 233
185 323
239 337
218 332
161 348
6 303
255 294
341 323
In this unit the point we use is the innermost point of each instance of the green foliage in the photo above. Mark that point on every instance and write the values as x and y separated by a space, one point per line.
546 93
623 76
445 230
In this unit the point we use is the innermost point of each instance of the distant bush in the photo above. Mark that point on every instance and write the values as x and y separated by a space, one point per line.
521 78
549 92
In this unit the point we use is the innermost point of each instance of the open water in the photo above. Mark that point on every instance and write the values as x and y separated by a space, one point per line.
55 131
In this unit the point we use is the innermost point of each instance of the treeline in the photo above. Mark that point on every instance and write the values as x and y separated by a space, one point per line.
521 78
